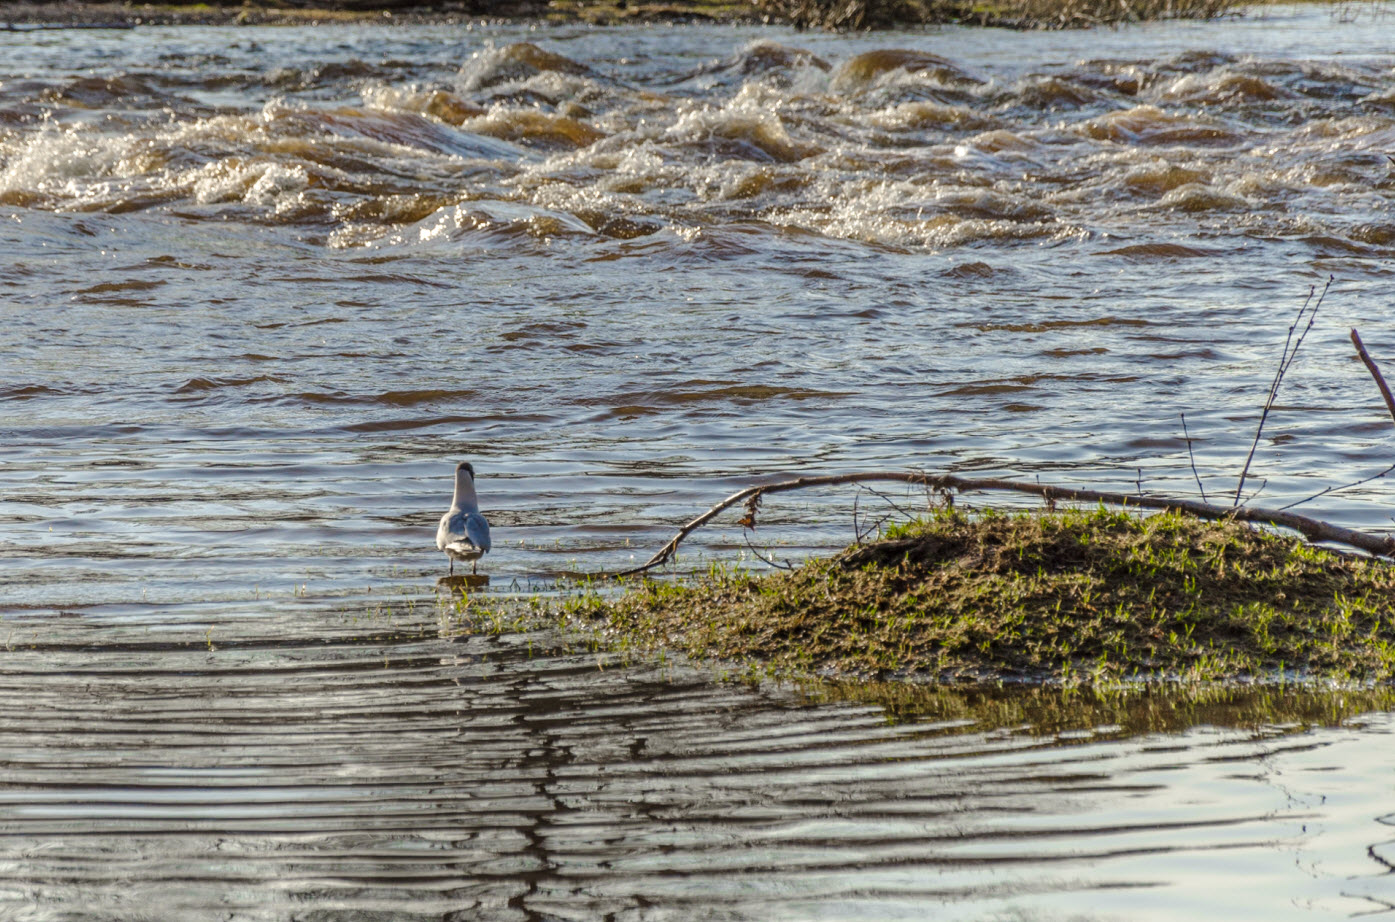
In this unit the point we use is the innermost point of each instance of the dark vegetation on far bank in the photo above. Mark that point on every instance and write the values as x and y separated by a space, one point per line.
821 14
1093 597
1019 14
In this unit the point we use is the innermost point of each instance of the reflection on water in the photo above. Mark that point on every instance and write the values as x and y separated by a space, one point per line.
1126 710
264 288
411 765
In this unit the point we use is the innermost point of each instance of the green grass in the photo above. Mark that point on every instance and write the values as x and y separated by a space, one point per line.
1079 597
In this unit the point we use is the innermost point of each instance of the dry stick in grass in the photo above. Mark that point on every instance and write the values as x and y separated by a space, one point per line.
1312 529
1285 362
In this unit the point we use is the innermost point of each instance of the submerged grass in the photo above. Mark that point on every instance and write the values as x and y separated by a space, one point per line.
1076 596
1095 712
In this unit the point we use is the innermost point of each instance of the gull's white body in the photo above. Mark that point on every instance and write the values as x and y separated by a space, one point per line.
463 533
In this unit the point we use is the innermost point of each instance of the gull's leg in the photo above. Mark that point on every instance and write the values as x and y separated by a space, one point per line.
452 565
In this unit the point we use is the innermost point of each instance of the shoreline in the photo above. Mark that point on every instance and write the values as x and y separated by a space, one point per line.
73 14
860 15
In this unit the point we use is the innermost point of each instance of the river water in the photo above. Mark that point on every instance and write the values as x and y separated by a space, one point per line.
262 288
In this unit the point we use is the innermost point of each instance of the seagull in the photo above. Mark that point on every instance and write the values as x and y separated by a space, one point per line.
463 533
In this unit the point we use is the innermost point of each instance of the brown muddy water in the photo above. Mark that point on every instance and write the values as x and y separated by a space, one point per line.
261 289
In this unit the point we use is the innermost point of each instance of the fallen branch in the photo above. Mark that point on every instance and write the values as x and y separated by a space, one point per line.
1312 529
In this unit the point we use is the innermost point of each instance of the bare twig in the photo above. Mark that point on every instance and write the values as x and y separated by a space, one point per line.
1314 530
769 561
1345 486
1285 362
1390 405
1375 372
889 501
857 531
1188 436
875 527
1255 492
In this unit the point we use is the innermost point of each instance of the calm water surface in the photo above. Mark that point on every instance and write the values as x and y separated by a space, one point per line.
366 764
261 288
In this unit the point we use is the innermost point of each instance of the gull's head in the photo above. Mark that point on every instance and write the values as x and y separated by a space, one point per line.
466 467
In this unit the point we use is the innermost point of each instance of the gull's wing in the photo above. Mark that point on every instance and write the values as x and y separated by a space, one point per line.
477 530
460 527
443 531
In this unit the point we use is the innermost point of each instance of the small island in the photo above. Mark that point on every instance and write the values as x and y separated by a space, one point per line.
1074 597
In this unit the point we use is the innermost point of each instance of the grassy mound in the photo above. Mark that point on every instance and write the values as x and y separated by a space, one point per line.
1076 596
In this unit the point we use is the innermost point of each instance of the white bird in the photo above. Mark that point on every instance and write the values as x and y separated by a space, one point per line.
463 533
